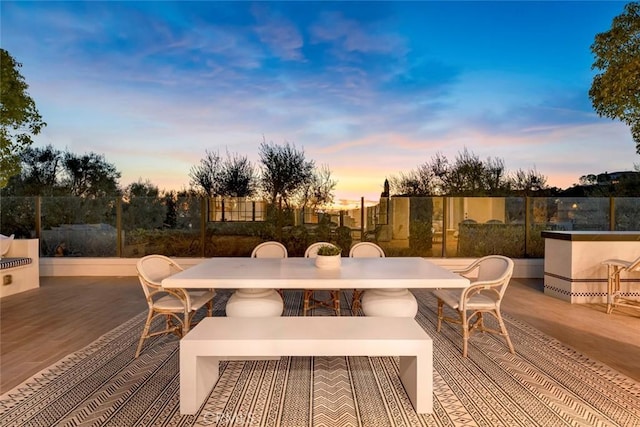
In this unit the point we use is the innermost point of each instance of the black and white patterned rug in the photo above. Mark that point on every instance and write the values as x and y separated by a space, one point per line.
544 384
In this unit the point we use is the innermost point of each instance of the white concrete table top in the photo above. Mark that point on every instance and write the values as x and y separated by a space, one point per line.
301 273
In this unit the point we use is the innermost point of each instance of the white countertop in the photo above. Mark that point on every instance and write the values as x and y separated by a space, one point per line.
301 273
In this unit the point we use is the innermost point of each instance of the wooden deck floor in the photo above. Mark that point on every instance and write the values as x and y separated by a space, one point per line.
39 327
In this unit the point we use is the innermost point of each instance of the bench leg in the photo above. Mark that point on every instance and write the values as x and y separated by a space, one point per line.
416 374
198 375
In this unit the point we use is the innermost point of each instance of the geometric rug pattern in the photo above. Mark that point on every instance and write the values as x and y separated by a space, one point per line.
544 384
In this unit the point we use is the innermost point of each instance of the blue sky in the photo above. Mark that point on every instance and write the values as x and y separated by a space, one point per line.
370 89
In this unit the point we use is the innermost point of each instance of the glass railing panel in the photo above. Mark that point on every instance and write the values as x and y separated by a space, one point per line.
581 214
18 217
237 239
78 227
168 226
418 226
564 214
543 215
486 226
413 228
627 213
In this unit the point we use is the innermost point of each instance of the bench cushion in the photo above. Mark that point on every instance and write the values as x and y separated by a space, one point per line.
6 263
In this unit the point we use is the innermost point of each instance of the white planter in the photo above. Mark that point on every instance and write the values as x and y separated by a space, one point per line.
328 262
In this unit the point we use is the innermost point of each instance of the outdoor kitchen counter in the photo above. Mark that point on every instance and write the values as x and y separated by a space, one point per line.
573 269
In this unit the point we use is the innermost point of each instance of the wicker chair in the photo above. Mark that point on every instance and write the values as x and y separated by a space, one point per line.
363 250
177 305
310 300
484 295
270 250
614 293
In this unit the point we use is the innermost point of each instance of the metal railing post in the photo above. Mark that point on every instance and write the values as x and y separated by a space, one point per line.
445 220
612 213
38 218
38 222
527 225
119 241
362 219
203 224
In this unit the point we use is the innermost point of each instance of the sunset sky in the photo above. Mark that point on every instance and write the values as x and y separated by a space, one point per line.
370 89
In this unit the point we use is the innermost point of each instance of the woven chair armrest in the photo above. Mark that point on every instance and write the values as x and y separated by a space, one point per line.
617 262
468 269
634 265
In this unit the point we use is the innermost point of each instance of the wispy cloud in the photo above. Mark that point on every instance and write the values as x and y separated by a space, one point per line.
370 89
278 33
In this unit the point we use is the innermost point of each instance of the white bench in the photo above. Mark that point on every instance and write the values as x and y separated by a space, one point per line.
224 338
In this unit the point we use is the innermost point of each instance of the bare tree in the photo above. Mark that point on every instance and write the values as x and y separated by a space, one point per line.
527 182
285 171
205 177
90 175
318 192
589 179
496 181
425 180
468 175
237 177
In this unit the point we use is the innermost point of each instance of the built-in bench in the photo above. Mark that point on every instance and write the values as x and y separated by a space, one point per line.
223 338
19 267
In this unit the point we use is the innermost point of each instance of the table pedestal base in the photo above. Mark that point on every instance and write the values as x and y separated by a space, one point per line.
389 303
255 303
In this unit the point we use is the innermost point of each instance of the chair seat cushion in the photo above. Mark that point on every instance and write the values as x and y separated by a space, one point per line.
198 299
169 302
451 297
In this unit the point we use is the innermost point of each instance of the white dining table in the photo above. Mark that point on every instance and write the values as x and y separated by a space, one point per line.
270 336
301 273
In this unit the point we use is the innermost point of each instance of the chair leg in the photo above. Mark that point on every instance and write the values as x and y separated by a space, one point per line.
503 330
465 332
355 301
440 315
145 332
613 282
609 288
210 308
171 327
479 323
335 296
306 298
186 322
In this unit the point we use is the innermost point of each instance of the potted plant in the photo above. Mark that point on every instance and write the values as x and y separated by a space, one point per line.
328 257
